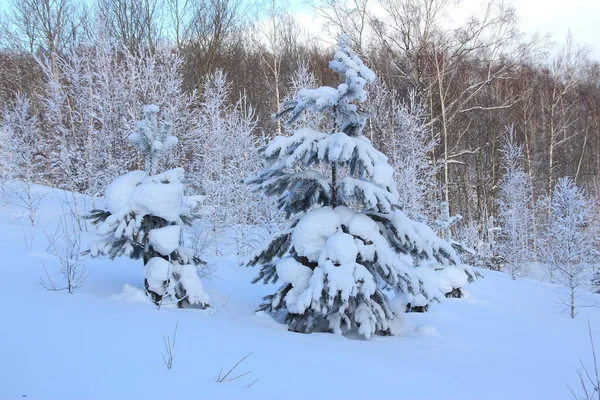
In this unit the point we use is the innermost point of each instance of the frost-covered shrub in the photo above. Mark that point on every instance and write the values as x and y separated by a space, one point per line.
348 244
478 241
22 146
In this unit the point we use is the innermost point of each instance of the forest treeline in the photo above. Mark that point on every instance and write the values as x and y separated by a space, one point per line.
85 71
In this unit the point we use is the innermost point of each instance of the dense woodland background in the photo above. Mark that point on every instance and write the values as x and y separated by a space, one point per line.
80 73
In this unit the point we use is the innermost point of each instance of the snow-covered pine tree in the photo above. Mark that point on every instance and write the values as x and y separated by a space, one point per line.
515 216
145 216
568 245
348 245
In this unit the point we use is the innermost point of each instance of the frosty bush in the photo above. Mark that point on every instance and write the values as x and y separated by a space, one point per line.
348 245
21 150
568 245
225 150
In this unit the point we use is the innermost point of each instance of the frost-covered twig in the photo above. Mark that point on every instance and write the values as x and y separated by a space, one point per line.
28 236
169 348
585 378
223 305
28 200
73 206
49 282
223 378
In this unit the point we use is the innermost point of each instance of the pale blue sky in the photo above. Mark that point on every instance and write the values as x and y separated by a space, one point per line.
556 17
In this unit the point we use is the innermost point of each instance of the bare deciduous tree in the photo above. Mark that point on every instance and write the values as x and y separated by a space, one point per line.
136 24
65 244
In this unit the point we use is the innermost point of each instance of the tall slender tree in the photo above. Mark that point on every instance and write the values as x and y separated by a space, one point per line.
515 216
568 247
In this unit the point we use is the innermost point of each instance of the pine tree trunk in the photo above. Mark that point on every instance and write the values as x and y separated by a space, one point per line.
572 303
334 168
572 288
333 185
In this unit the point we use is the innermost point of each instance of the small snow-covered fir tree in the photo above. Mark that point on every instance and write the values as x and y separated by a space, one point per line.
515 216
348 244
568 245
145 216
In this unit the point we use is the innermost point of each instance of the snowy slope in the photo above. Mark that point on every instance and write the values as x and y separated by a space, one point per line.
507 340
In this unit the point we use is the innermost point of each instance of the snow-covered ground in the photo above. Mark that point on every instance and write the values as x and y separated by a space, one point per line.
506 340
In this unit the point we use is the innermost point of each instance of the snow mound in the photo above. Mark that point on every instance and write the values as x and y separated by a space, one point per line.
160 195
340 249
132 294
291 271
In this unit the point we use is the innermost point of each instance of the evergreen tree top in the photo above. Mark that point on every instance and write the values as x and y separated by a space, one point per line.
151 138
366 180
341 102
